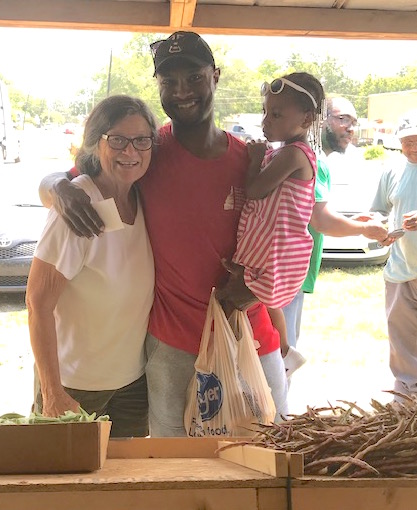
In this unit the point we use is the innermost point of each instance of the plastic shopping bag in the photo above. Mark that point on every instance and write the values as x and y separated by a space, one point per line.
217 396
254 384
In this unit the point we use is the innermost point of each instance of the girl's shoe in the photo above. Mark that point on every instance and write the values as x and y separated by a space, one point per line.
293 361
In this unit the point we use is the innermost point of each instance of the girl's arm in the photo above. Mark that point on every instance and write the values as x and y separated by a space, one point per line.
289 162
45 285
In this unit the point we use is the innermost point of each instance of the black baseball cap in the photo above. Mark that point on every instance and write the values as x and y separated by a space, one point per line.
182 45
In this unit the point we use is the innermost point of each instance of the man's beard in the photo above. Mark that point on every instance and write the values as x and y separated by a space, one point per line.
333 142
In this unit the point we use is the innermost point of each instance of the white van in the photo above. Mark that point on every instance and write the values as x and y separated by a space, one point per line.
9 139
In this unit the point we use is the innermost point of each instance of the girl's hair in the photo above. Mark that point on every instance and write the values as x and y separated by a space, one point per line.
102 118
312 85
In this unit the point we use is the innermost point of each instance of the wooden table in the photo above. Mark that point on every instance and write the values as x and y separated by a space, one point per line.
187 474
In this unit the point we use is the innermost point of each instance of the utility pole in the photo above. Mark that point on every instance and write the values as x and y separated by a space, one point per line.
109 74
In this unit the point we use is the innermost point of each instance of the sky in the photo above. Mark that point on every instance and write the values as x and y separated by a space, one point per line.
56 63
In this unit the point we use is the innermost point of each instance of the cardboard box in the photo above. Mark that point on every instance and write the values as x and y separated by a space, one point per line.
53 447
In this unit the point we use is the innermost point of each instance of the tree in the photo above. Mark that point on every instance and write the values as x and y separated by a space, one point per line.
238 91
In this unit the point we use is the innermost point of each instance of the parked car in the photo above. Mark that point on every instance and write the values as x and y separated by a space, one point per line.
239 131
352 192
20 228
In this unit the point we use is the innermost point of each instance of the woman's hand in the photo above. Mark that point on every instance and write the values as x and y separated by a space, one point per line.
74 205
57 403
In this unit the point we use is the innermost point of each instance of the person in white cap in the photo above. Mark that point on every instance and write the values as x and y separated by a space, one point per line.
397 196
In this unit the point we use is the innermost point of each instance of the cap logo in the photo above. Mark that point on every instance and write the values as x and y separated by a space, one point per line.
175 47
405 124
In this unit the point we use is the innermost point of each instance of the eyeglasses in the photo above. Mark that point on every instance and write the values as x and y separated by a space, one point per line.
345 120
119 143
277 86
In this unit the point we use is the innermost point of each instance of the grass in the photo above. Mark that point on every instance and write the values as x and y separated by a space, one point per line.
349 301
343 337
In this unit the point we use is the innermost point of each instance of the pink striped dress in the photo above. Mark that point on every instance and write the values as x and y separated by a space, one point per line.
273 241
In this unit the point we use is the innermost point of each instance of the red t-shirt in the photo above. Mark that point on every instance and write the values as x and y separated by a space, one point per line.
192 209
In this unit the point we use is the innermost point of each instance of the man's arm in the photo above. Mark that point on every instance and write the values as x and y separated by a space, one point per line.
331 223
72 203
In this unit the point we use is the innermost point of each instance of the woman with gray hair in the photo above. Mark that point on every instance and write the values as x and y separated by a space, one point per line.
89 299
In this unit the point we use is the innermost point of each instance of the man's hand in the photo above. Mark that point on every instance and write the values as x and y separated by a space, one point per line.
74 205
410 221
235 294
375 230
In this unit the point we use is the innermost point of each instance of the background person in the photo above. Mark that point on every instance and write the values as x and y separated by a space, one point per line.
193 196
397 196
89 299
338 127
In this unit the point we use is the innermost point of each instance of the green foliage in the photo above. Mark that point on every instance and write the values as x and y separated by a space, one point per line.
374 152
238 91
269 69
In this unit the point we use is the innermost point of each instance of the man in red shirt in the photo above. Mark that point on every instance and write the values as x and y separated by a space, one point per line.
193 194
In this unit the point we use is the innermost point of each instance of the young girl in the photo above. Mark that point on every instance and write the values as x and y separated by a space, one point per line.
273 242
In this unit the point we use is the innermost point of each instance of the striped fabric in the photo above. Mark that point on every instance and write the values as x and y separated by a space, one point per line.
273 242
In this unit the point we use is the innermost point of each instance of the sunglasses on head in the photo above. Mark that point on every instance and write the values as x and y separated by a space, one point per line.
277 86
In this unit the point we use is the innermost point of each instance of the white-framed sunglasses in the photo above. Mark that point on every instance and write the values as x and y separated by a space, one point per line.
277 86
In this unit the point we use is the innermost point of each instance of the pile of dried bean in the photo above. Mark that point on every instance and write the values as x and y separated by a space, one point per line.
340 441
